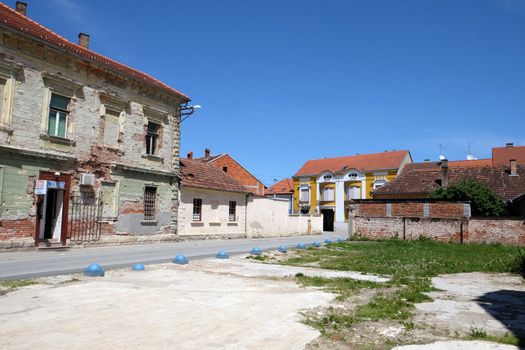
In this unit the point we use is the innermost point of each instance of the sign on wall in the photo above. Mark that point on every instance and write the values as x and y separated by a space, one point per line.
41 186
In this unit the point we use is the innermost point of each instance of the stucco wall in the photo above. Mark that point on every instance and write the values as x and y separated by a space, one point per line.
268 217
215 214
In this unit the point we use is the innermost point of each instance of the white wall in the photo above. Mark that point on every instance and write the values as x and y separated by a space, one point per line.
268 217
215 221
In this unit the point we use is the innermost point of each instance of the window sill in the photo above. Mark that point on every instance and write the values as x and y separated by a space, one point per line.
214 223
153 157
233 223
56 139
197 223
7 129
149 222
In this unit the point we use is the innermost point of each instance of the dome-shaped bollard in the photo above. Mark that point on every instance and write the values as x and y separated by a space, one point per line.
181 260
301 246
316 244
222 255
327 241
94 270
282 249
340 239
256 251
138 267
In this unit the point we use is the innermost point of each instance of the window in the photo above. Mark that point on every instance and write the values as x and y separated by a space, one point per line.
150 195
304 194
328 194
225 169
327 177
108 196
152 135
353 192
352 176
197 209
58 116
379 183
111 128
3 89
232 216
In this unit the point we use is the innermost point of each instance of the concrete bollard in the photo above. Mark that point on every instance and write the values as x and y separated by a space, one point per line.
138 267
301 246
222 255
282 249
94 270
181 260
256 251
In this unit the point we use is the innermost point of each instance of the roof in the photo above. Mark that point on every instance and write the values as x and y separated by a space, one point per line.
363 162
285 186
502 155
423 178
451 164
16 21
195 173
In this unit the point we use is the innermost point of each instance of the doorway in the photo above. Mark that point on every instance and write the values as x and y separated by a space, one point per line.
328 220
52 208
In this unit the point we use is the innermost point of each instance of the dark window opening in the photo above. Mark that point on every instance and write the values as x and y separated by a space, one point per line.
232 210
150 195
197 209
225 169
152 135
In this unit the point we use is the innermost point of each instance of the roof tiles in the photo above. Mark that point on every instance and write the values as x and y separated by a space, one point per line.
195 173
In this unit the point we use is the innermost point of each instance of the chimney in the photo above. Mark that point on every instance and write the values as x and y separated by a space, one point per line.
444 173
509 145
21 7
207 153
83 40
190 155
513 167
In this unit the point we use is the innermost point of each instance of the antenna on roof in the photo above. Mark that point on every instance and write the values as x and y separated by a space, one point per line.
470 156
441 155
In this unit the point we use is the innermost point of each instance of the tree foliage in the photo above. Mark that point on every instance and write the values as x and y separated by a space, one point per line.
483 200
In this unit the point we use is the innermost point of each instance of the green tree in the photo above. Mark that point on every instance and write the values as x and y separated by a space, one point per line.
483 201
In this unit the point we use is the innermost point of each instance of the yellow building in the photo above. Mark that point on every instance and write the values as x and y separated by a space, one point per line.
326 185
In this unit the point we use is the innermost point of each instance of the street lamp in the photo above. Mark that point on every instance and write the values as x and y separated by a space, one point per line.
186 111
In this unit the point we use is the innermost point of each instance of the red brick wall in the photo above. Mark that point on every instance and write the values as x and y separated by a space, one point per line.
407 209
17 228
502 231
372 209
446 210
240 174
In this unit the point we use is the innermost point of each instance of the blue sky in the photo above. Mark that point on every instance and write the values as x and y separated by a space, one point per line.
284 81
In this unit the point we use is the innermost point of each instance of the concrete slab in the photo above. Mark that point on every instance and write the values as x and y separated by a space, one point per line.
458 345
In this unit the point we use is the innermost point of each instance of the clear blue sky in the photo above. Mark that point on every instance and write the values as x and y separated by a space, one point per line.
284 81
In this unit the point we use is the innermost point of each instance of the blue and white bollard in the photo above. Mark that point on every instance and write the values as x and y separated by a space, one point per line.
327 241
138 267
301 246
282 249
222 255
94 270
316 244
181 260
256 251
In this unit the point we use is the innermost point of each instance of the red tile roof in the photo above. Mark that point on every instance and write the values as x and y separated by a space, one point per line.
423 178
195 173
451 164
285 186
363 162
503 155
15 21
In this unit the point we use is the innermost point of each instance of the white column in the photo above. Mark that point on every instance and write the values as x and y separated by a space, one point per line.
339 201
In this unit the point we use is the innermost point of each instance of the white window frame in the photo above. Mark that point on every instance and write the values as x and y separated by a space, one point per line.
57 119
8 97
307 188
381 183
324 194
353 188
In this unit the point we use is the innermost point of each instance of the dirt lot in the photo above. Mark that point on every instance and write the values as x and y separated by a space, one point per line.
242 304
208 304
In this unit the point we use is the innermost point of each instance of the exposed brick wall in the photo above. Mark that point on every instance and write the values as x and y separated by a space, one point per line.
408 209
17 228
240 174
446 210
502 231
372 209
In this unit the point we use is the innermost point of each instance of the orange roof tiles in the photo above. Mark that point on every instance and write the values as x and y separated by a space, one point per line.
15 21
285 186
195 173
503 155
363 162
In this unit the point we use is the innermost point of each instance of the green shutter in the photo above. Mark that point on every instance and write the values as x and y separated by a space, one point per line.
62 124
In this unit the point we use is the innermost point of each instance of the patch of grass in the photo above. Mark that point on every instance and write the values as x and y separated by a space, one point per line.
343 286
477 333
507 338
17 283
257 257
331 320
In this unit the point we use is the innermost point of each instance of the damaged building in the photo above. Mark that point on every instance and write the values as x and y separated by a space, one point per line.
89 147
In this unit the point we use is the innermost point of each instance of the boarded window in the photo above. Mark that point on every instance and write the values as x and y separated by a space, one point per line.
152 135
108 195
58 116
111 128
150 199
232 212
3 97
197 209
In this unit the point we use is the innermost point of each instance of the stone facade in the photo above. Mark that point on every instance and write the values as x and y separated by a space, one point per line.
101 132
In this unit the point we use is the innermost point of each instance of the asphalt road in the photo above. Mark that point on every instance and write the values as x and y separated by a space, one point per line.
40 263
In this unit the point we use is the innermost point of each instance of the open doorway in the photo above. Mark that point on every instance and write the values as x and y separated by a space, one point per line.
328 220
52 206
